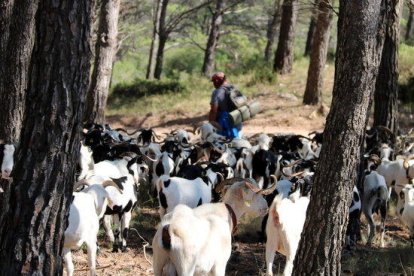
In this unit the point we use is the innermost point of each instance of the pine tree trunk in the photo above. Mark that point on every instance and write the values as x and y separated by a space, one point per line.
272 31
154 42
357 62
285 48
163 36
213 37
314 84
311 30
409 30
105 50
31 242
6 10
386 92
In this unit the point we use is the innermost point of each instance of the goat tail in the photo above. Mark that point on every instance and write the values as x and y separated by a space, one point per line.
382 193
166 237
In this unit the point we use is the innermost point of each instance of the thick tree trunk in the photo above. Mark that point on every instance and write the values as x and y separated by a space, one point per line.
6 10
314 84
154 41
163 36
31 242
311 30
357 62
409 29
213 37
386 92
272 31
285 48
105 50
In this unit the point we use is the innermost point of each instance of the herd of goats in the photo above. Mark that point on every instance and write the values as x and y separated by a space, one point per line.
205 183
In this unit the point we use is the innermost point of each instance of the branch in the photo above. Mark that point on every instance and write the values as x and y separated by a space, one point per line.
169 27
196 43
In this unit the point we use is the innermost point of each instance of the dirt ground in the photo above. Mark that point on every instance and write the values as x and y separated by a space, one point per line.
281 114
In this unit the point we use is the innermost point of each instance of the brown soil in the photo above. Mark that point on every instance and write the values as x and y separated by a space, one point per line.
281 114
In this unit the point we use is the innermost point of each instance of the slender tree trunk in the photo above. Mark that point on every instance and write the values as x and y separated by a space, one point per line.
314 84
285 48
163 36
154 41
357 62
272 31
311 30
386 92
15 59
31 242
213 37
409 30
105 50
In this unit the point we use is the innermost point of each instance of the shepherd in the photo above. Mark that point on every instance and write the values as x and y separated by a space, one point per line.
221 106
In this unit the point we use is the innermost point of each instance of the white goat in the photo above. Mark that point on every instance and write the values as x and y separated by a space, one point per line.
6 160
283 229
176 190
87 207
198 241
375 197
407 215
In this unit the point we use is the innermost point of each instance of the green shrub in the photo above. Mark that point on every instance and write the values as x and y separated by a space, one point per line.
184 60
141 88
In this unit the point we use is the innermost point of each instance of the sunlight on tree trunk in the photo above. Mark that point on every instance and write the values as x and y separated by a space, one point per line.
154 41
272 29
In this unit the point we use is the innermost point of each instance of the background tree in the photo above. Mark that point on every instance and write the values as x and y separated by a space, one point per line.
272 29
314 82
166 27
105 50
213 37
155 39
357 61
311 30
31 241
409 28
386 90
284 52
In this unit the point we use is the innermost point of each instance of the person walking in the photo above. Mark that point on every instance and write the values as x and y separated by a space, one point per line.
220 106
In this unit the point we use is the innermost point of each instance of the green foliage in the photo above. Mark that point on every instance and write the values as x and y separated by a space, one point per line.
141 88
186 59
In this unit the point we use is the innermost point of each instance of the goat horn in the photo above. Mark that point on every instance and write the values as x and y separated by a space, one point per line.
79 184
252 185
221 177
108 183
219 187
293 163
149 158
124 130
272 187
293 174
405 163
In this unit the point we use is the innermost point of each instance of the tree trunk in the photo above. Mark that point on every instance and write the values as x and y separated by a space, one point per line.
14 59
409 29
285 48
154 41
314 84
213 37
311 30
31 242
272 31
105 50
357 61
163 36
6 10
386 92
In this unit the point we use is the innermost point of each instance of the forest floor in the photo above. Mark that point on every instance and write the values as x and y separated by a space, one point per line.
282 113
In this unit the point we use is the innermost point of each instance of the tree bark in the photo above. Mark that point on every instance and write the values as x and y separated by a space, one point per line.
409 29
105 50
285 48
314 84
31 241
386 92
311 30
15 61
154 41
357 62
6 10
163 36
213 37
272 31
